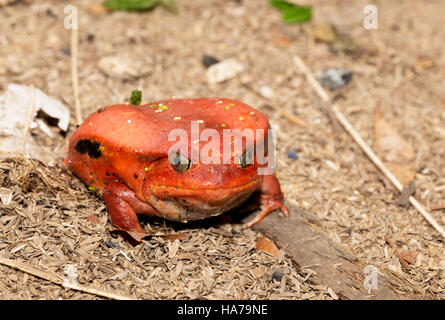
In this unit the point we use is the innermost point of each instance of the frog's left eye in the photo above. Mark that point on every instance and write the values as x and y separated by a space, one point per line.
246 159
179 162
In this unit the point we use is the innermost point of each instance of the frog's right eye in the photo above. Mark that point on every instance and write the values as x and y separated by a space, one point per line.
179 162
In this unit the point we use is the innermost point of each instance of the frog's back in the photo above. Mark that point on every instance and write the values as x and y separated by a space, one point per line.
117 140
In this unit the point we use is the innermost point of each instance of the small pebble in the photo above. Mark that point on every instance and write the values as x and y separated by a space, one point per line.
90 37
334 78
207 61
277 275
111 244
223 71
267 92
292 154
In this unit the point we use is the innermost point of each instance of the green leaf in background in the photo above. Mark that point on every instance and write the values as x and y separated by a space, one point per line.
281 5
291 12
136 97
138 5
299 14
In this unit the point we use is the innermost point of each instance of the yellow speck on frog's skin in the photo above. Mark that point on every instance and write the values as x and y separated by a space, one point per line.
159 110
177 118
227 108
231 104
101 148
241 118
91 188
200 121
223 125
152 105
219 102
162 107
146 169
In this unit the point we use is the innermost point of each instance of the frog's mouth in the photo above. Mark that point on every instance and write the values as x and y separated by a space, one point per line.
196 204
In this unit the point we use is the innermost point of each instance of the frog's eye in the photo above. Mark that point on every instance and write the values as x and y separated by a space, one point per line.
246 159
179 162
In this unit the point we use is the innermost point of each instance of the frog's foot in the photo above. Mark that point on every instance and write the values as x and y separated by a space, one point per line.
122 205
271 198
268 205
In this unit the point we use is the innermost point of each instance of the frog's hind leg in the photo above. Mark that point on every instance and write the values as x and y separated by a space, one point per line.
122 205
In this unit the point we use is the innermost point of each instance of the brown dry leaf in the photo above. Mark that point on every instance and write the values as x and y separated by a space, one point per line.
138 236
172 237
408 256
405 257
395 152
266 245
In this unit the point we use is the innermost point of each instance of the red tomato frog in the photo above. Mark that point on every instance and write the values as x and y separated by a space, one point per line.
124 152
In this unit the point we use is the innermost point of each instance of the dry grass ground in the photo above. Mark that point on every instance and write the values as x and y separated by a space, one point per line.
53 220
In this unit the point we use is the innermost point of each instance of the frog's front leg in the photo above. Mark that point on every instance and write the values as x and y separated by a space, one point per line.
122 205
270 198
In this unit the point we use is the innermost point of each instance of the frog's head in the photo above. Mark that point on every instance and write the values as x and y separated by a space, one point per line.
186 191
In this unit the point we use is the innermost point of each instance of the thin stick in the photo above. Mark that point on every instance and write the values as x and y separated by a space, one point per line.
54 278
28 121
74 73
296 120
366 149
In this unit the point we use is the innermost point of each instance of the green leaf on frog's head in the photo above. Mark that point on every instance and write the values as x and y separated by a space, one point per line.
138 5
291 12
136 97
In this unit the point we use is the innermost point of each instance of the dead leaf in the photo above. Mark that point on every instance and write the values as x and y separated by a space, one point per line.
266 245
172 237
138 236
392 148
408 256
405 257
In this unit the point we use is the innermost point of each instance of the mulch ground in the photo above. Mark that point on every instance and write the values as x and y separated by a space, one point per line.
50 220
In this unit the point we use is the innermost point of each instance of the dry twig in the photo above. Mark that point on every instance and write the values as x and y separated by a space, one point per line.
365 148
54 278
74 72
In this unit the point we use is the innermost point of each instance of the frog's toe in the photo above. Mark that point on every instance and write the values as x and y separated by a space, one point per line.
269 205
